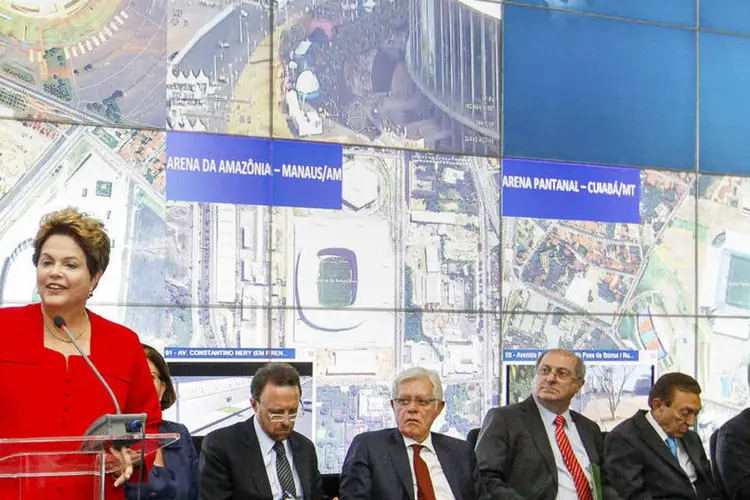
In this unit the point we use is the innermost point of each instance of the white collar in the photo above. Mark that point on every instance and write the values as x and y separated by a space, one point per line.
265 441
651 420
427 443
548 417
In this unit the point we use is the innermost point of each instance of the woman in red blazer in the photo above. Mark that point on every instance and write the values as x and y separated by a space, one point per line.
47 388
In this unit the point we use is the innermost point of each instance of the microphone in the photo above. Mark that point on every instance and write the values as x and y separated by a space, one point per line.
108 424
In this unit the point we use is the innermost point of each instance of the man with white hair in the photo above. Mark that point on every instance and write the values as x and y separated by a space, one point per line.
410 462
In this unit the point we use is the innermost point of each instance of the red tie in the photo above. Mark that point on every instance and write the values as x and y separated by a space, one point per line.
424 482
571 462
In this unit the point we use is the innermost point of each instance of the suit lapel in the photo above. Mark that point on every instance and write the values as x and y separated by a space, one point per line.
450 470
400 460
588 442
535 426
650 437
695 456
256 467
301 464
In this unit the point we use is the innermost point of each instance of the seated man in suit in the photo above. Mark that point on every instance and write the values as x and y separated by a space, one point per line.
262 457
539 448
654 454
410 462
730 457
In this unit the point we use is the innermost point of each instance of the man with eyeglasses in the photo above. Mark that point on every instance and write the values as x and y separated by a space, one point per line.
263 457
540 448
654 454
410 462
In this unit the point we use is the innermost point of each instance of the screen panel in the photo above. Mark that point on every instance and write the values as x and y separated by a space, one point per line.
218 71
406 73
613 390
84 61
601 262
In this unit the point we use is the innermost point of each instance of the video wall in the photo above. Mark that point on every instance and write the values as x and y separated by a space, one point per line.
328 183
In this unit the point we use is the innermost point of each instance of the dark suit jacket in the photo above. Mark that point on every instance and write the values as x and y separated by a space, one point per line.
377 467
515 458
232 467
641 466
178 479
720 493
731 456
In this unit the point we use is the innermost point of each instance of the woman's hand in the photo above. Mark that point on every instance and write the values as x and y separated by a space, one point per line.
121 463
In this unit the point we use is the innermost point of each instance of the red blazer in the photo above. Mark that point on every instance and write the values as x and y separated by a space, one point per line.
41 395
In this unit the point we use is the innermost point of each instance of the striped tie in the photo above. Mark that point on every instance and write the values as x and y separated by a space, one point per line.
284 470
571 462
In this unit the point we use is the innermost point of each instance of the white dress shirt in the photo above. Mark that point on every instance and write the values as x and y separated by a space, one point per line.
439 481
269 459
566 487
685 463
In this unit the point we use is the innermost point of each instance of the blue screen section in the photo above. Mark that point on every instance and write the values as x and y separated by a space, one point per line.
212 168
680 12
594 90
310 174
725 15
227 353
724 104
547 190
531 355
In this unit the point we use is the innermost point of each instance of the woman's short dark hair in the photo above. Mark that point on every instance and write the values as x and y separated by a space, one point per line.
281 374
170 396
665 387
88 233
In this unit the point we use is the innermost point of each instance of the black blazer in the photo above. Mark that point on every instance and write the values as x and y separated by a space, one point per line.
515 458
642 467
730 453
377 467
232 467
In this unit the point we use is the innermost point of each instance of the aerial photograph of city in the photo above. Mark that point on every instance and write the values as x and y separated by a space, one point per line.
592 285
84 61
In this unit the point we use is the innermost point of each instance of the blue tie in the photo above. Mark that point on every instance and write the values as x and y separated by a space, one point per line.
672 444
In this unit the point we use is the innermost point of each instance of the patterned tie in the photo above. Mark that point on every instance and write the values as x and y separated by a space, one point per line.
571 462
424 481
672 445
284 470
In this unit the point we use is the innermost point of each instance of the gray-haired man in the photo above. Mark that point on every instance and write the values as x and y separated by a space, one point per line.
410 462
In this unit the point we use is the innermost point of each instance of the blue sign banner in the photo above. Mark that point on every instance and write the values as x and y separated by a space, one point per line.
310 174
227 353
511 356
213 168
568 191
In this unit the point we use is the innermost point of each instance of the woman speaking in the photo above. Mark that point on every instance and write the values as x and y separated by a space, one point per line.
47 388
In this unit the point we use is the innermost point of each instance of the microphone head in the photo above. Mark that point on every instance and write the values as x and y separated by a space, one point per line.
59 321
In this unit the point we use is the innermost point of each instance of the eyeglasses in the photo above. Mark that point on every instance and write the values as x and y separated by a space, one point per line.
422 403
274 416
561 374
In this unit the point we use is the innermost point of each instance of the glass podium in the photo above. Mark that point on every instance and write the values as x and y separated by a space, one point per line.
28 465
